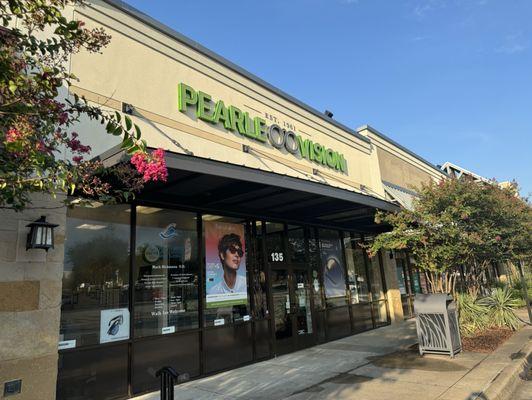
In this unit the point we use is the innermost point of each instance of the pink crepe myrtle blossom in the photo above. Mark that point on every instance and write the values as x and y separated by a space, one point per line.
41 146
13 135
63 118
75 145
152 166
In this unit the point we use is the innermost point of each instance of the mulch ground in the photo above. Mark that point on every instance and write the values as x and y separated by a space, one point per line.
487 341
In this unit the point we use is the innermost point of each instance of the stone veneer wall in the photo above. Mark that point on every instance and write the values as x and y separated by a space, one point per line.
30 301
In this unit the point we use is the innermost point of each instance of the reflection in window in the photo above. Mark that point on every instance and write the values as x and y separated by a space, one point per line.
400 266
259 286
166 272
96 275
315 265
281 304
275 242
356 270
417 282
226 278
375 277
302 301
333 267
296 244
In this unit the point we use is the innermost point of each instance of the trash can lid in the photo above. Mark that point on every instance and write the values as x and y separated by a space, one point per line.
431 303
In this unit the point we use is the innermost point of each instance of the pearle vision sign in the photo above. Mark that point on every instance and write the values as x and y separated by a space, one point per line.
236 120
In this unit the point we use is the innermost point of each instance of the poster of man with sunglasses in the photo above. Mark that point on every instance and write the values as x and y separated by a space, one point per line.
226 280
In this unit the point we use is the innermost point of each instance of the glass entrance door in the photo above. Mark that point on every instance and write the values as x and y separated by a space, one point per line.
302 309
282 306
292 309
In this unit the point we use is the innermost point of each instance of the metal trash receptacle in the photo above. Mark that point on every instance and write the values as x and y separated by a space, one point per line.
437 324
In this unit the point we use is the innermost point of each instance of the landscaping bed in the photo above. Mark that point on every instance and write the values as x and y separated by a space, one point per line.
486 341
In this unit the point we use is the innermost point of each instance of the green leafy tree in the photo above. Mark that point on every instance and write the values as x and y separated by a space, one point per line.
460 225
39 148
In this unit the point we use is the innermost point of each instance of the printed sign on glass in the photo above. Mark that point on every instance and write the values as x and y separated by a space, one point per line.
114 325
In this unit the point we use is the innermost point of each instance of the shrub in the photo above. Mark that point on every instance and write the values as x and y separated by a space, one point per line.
517 287
473 316
500 305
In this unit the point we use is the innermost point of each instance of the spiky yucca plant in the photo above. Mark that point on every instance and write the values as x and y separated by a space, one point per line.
500 305
473 316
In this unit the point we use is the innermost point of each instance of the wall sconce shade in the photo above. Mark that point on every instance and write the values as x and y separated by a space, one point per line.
41 235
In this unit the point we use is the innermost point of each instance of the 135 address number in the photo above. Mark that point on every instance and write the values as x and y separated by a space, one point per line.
277 256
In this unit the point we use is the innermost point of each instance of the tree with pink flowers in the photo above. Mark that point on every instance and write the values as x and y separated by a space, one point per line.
459 225
40 151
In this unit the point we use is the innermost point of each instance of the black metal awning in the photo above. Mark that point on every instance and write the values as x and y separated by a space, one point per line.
219 187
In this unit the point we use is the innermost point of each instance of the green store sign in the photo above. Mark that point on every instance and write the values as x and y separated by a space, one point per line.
236 120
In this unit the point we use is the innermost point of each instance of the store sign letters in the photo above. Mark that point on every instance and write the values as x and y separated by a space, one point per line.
236 120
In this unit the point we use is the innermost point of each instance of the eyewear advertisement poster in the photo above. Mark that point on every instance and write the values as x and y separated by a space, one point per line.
114 325
226 279
333 268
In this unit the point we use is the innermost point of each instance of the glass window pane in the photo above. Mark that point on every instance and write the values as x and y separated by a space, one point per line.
315 265
275 250
166 271
302 301
226 279
400 265
356 269
296 244
417 283
376 279
96 275
259 284
333 267
281 303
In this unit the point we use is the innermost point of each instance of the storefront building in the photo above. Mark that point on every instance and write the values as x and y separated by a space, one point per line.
253 248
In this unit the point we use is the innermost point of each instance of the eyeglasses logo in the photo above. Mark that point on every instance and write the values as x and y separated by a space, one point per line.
169 232
114 325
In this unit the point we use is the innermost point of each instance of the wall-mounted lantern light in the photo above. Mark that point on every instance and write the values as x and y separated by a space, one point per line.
41 235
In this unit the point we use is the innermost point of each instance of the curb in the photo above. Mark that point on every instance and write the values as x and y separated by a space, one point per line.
505 383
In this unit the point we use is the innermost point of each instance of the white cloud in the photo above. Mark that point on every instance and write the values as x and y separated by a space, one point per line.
512 48
512 44
425 6
418 38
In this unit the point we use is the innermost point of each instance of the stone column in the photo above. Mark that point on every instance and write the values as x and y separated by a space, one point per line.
392 284
30 301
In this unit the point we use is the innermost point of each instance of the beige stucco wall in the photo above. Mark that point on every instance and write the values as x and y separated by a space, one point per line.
400 172
143 67
398 166
30 301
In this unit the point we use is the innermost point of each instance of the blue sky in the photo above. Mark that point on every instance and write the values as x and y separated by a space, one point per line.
449 79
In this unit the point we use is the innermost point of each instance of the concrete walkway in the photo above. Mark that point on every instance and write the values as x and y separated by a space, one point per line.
379 364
